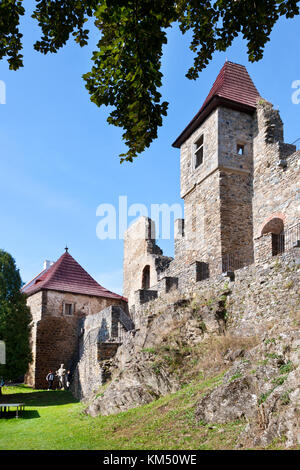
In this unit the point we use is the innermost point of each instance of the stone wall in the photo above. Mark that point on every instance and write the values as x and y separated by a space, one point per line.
236 215
265 291
140 250
276 173
103 333
191 176
259 306
35 303
56 343
83 304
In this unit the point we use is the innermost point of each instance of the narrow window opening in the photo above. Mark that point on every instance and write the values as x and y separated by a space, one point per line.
199 151
146 277
240 149
68 309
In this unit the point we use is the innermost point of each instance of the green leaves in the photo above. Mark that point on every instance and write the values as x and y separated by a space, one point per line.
15 319
126 72
58 19
216 24
10 36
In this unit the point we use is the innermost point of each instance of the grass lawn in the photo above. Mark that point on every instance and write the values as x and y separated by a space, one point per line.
54 420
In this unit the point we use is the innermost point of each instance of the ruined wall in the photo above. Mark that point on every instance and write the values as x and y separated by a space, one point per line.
103 333
140 250
267 291
276 173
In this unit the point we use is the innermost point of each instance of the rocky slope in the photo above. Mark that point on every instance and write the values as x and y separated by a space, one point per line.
262 386
248 329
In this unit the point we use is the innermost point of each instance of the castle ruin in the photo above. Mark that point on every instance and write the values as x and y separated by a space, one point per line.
241 189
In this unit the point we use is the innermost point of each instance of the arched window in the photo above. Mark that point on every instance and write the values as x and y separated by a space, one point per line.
275 226
146 277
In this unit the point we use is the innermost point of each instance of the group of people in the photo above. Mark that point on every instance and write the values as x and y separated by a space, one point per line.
64 378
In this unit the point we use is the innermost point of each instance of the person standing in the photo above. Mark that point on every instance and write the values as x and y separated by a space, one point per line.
68 379
61 373
50 379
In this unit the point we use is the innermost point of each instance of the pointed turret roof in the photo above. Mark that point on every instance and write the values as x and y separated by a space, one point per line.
66 275
233 88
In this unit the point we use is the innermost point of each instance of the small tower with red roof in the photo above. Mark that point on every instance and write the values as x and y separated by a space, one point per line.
60 298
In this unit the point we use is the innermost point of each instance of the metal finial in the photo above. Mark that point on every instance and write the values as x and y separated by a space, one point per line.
67 249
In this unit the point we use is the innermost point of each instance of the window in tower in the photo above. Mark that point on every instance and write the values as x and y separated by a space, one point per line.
199 151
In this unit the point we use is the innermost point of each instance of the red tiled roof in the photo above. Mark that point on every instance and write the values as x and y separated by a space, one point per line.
66 275
233 88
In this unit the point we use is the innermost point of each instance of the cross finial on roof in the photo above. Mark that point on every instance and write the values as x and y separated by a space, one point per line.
67 249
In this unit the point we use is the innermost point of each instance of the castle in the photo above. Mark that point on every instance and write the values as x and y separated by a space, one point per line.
241 189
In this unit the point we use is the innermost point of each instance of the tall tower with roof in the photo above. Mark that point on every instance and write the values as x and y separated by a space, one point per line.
216 159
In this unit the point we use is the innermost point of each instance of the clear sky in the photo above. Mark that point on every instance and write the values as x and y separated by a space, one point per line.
59 156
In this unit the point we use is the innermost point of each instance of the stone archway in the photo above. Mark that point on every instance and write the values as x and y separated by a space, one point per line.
275 226
146 277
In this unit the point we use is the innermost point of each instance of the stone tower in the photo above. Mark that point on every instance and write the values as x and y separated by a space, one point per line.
216 159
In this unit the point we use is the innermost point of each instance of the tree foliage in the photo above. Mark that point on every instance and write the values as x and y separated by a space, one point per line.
15 319
126 65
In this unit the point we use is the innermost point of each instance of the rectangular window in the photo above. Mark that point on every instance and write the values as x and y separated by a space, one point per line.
199 151
68 309
240 149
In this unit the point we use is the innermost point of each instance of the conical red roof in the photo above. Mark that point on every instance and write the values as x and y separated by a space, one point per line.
66 275
233 88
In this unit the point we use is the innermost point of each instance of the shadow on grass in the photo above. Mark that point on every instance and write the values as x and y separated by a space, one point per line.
26 414
39 397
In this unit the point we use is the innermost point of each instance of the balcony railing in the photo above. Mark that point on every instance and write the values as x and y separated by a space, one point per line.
288 239
233 261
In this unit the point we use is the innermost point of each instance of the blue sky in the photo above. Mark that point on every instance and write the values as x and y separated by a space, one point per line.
59 156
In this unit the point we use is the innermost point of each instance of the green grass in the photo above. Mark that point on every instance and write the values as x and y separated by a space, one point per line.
54 420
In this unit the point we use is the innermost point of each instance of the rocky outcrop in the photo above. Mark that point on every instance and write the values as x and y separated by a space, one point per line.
143 368
140 384
262 388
